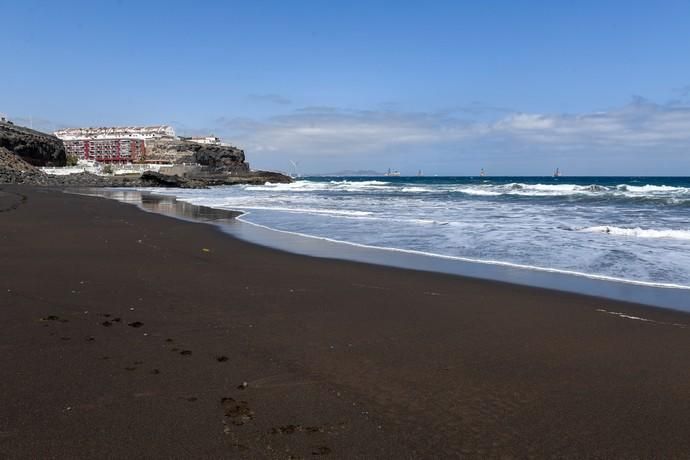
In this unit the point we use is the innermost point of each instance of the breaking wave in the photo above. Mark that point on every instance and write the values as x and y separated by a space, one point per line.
639 232
656 194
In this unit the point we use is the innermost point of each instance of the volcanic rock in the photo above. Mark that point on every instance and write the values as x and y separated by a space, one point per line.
34 147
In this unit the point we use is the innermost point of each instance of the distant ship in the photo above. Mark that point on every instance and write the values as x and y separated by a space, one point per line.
557 173
392 173
481 173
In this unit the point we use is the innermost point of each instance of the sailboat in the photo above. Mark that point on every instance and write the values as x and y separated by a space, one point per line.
481 173
392 173
557 173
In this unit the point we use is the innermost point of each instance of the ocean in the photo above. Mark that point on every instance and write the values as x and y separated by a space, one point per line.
622 229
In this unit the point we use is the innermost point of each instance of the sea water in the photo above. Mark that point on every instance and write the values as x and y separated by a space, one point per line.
625 229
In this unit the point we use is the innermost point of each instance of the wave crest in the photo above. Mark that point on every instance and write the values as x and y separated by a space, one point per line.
638 232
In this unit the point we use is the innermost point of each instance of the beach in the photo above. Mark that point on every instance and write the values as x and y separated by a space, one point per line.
131 334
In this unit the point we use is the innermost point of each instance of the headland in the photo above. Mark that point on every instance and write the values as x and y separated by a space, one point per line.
178 161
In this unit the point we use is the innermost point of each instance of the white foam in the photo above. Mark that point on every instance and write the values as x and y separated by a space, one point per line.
332 212
554 189
623 315
639 232
652 188
532 189
310 186
415 189
362 182
638 318
477 191
573 189
519 189
243 219
297 186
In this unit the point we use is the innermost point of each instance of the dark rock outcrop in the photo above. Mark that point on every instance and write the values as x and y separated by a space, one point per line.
219 158
156 179
210 178
34 147
14 170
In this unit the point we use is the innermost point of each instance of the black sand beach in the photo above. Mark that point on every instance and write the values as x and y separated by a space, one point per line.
130 334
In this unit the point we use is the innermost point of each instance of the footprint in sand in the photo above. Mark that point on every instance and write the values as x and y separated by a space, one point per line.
322 450
238 412
51 318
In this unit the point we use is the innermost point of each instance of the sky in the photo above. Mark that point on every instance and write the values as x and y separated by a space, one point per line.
446 87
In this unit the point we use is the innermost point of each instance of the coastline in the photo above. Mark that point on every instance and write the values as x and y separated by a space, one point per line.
339 358
232 223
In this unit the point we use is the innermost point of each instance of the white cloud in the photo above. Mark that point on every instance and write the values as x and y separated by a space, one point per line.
331 131
324 130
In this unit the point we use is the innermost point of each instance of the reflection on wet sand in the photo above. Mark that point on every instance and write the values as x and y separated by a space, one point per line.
169 206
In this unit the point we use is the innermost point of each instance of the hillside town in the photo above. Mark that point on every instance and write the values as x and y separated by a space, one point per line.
122 156
125 144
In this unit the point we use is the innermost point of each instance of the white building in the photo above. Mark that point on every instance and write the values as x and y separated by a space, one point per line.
120 144
117 132
207 140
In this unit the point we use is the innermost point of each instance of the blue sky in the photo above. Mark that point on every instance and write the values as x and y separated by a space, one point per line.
447 87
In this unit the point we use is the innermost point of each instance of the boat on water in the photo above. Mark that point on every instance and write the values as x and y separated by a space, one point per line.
557 173
392 173
482 173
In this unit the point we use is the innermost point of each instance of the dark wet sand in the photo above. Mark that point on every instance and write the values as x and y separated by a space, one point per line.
129 334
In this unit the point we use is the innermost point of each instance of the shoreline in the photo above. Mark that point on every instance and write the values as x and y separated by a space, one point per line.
135 334
654 295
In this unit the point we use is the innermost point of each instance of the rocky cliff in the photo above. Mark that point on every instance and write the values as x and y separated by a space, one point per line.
14 170
212 157
209 164
22 149
34 147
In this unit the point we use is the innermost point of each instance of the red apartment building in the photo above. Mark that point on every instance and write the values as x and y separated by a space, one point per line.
107 150
119 144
